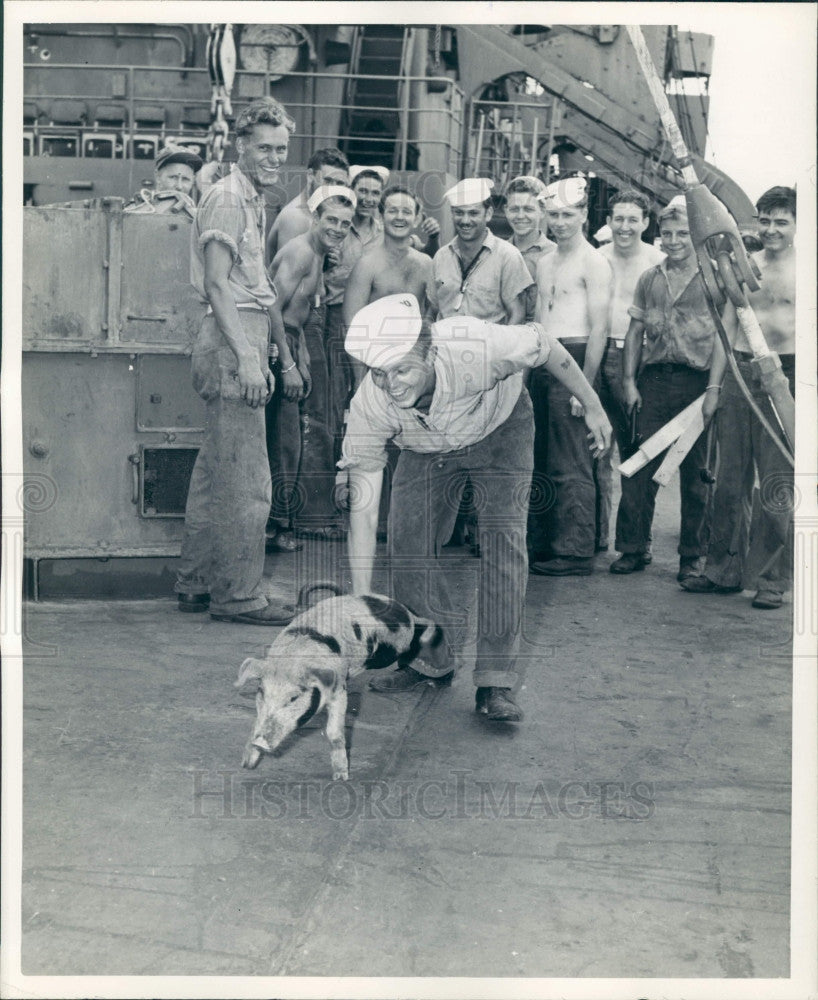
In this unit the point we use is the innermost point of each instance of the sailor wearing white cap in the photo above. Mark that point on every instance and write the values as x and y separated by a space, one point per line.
382 173
451 397
297 272
567 192
477 274
326 191
325 166
574 291
365 234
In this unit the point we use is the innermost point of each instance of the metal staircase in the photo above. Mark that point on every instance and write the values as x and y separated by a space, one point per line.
373 122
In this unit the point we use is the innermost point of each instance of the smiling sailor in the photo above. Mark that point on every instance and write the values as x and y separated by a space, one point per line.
451 397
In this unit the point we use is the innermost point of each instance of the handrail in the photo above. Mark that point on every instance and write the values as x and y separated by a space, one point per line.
451 109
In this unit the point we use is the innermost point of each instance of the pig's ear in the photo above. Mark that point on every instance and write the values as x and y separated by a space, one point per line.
328 678
249 670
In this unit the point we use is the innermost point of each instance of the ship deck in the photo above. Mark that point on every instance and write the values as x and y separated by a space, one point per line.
637 824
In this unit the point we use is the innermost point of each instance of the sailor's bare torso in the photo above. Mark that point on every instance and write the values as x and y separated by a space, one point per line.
387 269
405 271
563 281
774 303
293 220
302 265
627 269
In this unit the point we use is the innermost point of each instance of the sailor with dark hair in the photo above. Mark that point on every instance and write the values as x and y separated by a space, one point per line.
325 166
751 536
303 479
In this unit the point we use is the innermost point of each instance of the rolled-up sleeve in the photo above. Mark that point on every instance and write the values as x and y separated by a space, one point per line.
515 275
639 305
368 431
221 219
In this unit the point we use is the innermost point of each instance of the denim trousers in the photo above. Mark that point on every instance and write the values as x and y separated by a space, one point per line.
612 397
751 536
572 518
426 494
229 494
318 437
284 419
666 389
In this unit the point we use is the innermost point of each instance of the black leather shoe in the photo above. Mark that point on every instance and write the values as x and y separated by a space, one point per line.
497 704
193 602
630 562
273 614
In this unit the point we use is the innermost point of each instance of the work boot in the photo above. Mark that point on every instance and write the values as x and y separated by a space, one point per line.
630 562
564 566
689 566
497 704
405 678
768 599
702 585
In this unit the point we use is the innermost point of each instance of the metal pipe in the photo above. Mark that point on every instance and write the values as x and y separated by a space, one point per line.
533 169
478 152
555 111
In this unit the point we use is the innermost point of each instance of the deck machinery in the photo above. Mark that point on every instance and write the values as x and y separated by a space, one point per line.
110 423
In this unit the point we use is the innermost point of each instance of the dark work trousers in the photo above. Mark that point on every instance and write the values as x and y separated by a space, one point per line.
339 368
426 494
317 473
284 447
751 540
542 489
666 389
572 517
612 397
229 494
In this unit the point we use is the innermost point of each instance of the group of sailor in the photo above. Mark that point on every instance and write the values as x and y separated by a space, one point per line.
488 377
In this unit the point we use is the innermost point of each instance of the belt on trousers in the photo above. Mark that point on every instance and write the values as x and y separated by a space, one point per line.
248 306
573 340
613 342
672 366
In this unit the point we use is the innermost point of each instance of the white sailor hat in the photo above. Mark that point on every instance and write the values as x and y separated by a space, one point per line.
382 172
603 235
324 191
567 192
676 204
469 191
384 331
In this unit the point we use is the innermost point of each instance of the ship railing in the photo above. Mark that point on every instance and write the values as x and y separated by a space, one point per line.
184 103
509 138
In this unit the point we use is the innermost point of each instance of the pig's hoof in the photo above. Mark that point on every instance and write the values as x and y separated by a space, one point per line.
252 755
341 775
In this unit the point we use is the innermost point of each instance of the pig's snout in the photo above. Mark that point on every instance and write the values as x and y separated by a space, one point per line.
253 752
